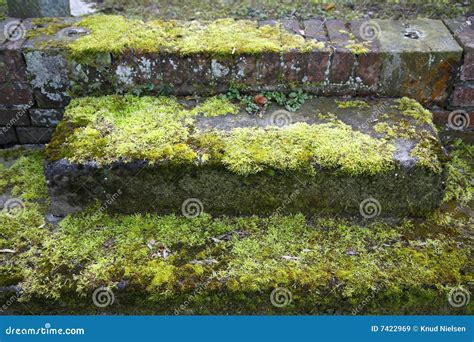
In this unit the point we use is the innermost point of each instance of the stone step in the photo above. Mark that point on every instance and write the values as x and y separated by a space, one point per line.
46 61
166 155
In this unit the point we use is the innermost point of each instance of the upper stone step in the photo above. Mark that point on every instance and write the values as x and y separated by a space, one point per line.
158 154
101 55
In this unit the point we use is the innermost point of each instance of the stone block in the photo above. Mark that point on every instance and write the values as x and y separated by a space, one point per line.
14 116
45 117
463 31
7 136
34 135
12 94
463 95
404 185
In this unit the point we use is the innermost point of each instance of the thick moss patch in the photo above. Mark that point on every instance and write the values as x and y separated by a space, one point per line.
173 264
112 128
116 34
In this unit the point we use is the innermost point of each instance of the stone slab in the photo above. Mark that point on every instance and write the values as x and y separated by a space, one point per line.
160 186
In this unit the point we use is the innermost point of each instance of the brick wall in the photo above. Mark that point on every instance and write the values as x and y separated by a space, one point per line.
421 60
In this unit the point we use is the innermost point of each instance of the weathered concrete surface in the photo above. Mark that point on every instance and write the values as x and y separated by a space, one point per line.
38 8
141 186
422 59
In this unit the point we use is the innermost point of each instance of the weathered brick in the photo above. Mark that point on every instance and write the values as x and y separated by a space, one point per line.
45 117
338 32
7 136
48 72
314 29
341 65
463 95
184 73
34 135
317 65
15 94
463 30
369 65
14 116
12 64
246 69
465 117
92 78
269 68
293 66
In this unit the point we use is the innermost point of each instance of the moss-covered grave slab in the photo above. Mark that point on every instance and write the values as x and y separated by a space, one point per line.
158 154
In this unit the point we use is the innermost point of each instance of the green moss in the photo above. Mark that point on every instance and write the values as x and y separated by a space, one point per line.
215 106
358 48
352 104
412 108
427 150
25 177
298 146
250 256
460 174
128 128
116 34
159 262
46 27
135 128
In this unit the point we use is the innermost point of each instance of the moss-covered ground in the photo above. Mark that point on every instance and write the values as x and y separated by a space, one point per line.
170 264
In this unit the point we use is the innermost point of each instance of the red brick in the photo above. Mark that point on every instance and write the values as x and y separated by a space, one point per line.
463 95
316 65
341 65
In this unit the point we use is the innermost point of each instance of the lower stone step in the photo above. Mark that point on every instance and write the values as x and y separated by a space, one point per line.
160 154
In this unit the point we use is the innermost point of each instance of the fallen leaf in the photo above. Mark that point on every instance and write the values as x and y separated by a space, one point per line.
260 100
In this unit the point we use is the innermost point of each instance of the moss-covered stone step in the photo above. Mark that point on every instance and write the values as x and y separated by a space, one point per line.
159 154
92 262
101 55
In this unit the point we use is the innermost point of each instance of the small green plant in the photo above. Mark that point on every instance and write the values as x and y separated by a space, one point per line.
292 102
296 99
276 96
